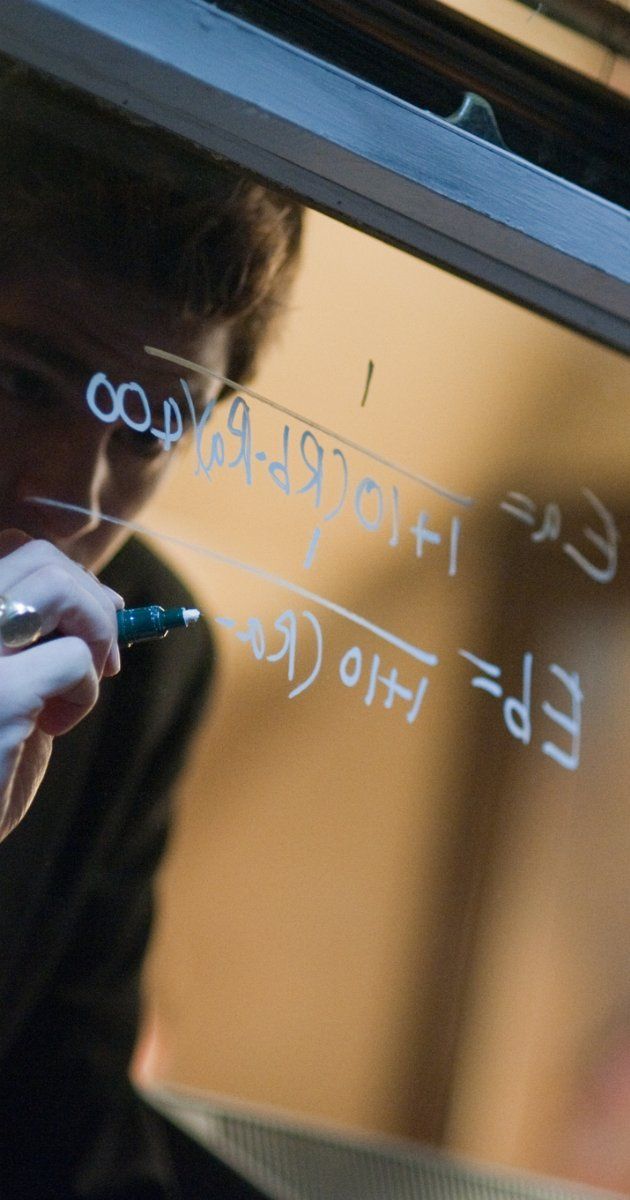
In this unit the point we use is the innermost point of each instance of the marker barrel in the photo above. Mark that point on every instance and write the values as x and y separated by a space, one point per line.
146 624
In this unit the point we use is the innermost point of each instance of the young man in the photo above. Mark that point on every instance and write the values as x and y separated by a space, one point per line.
110 239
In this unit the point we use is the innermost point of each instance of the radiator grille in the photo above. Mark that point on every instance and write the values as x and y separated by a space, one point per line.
292 1161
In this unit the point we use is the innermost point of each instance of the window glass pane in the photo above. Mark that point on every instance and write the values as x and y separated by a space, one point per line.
404 853
396 892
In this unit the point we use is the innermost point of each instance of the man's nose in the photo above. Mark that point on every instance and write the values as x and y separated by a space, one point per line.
69 470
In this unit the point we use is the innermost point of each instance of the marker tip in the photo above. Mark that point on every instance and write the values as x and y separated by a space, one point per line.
191 615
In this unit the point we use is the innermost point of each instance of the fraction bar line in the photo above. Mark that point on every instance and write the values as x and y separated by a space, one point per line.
465 501
423 656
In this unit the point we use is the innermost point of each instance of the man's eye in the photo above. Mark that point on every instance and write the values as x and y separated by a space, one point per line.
26 386
144 445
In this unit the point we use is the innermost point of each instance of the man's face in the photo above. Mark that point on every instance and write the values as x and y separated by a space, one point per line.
56 331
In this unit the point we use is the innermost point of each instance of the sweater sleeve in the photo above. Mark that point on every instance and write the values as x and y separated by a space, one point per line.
71 1125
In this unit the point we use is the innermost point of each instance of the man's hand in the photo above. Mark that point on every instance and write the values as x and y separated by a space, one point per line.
48 688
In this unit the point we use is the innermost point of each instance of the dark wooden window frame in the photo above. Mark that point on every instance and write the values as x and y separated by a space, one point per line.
344 145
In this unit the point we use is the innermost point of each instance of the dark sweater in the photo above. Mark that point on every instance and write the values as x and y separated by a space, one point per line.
76 885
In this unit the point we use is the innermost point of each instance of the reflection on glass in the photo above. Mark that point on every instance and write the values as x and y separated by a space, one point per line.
396 896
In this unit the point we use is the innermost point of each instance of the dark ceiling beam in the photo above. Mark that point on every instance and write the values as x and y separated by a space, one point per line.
430 55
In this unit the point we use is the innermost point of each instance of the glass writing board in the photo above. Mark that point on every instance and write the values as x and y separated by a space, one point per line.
409 806
396 893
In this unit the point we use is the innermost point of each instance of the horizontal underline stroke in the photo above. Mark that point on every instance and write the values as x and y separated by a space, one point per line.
424 656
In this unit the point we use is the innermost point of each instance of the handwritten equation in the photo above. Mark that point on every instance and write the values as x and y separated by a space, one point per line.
303 466
605 539
400 677
299 635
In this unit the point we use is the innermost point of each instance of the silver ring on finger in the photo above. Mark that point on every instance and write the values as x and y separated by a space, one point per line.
20 624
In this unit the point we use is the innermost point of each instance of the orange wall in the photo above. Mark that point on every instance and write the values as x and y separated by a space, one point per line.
299 898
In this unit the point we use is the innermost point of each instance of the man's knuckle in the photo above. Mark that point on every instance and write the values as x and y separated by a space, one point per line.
43 551
56 578
85 657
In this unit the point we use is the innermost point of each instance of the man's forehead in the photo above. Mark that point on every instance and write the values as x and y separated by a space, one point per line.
73 328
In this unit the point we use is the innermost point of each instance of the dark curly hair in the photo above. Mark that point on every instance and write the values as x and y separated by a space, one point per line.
137 202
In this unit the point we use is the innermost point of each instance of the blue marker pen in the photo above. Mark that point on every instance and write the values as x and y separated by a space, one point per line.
146 624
